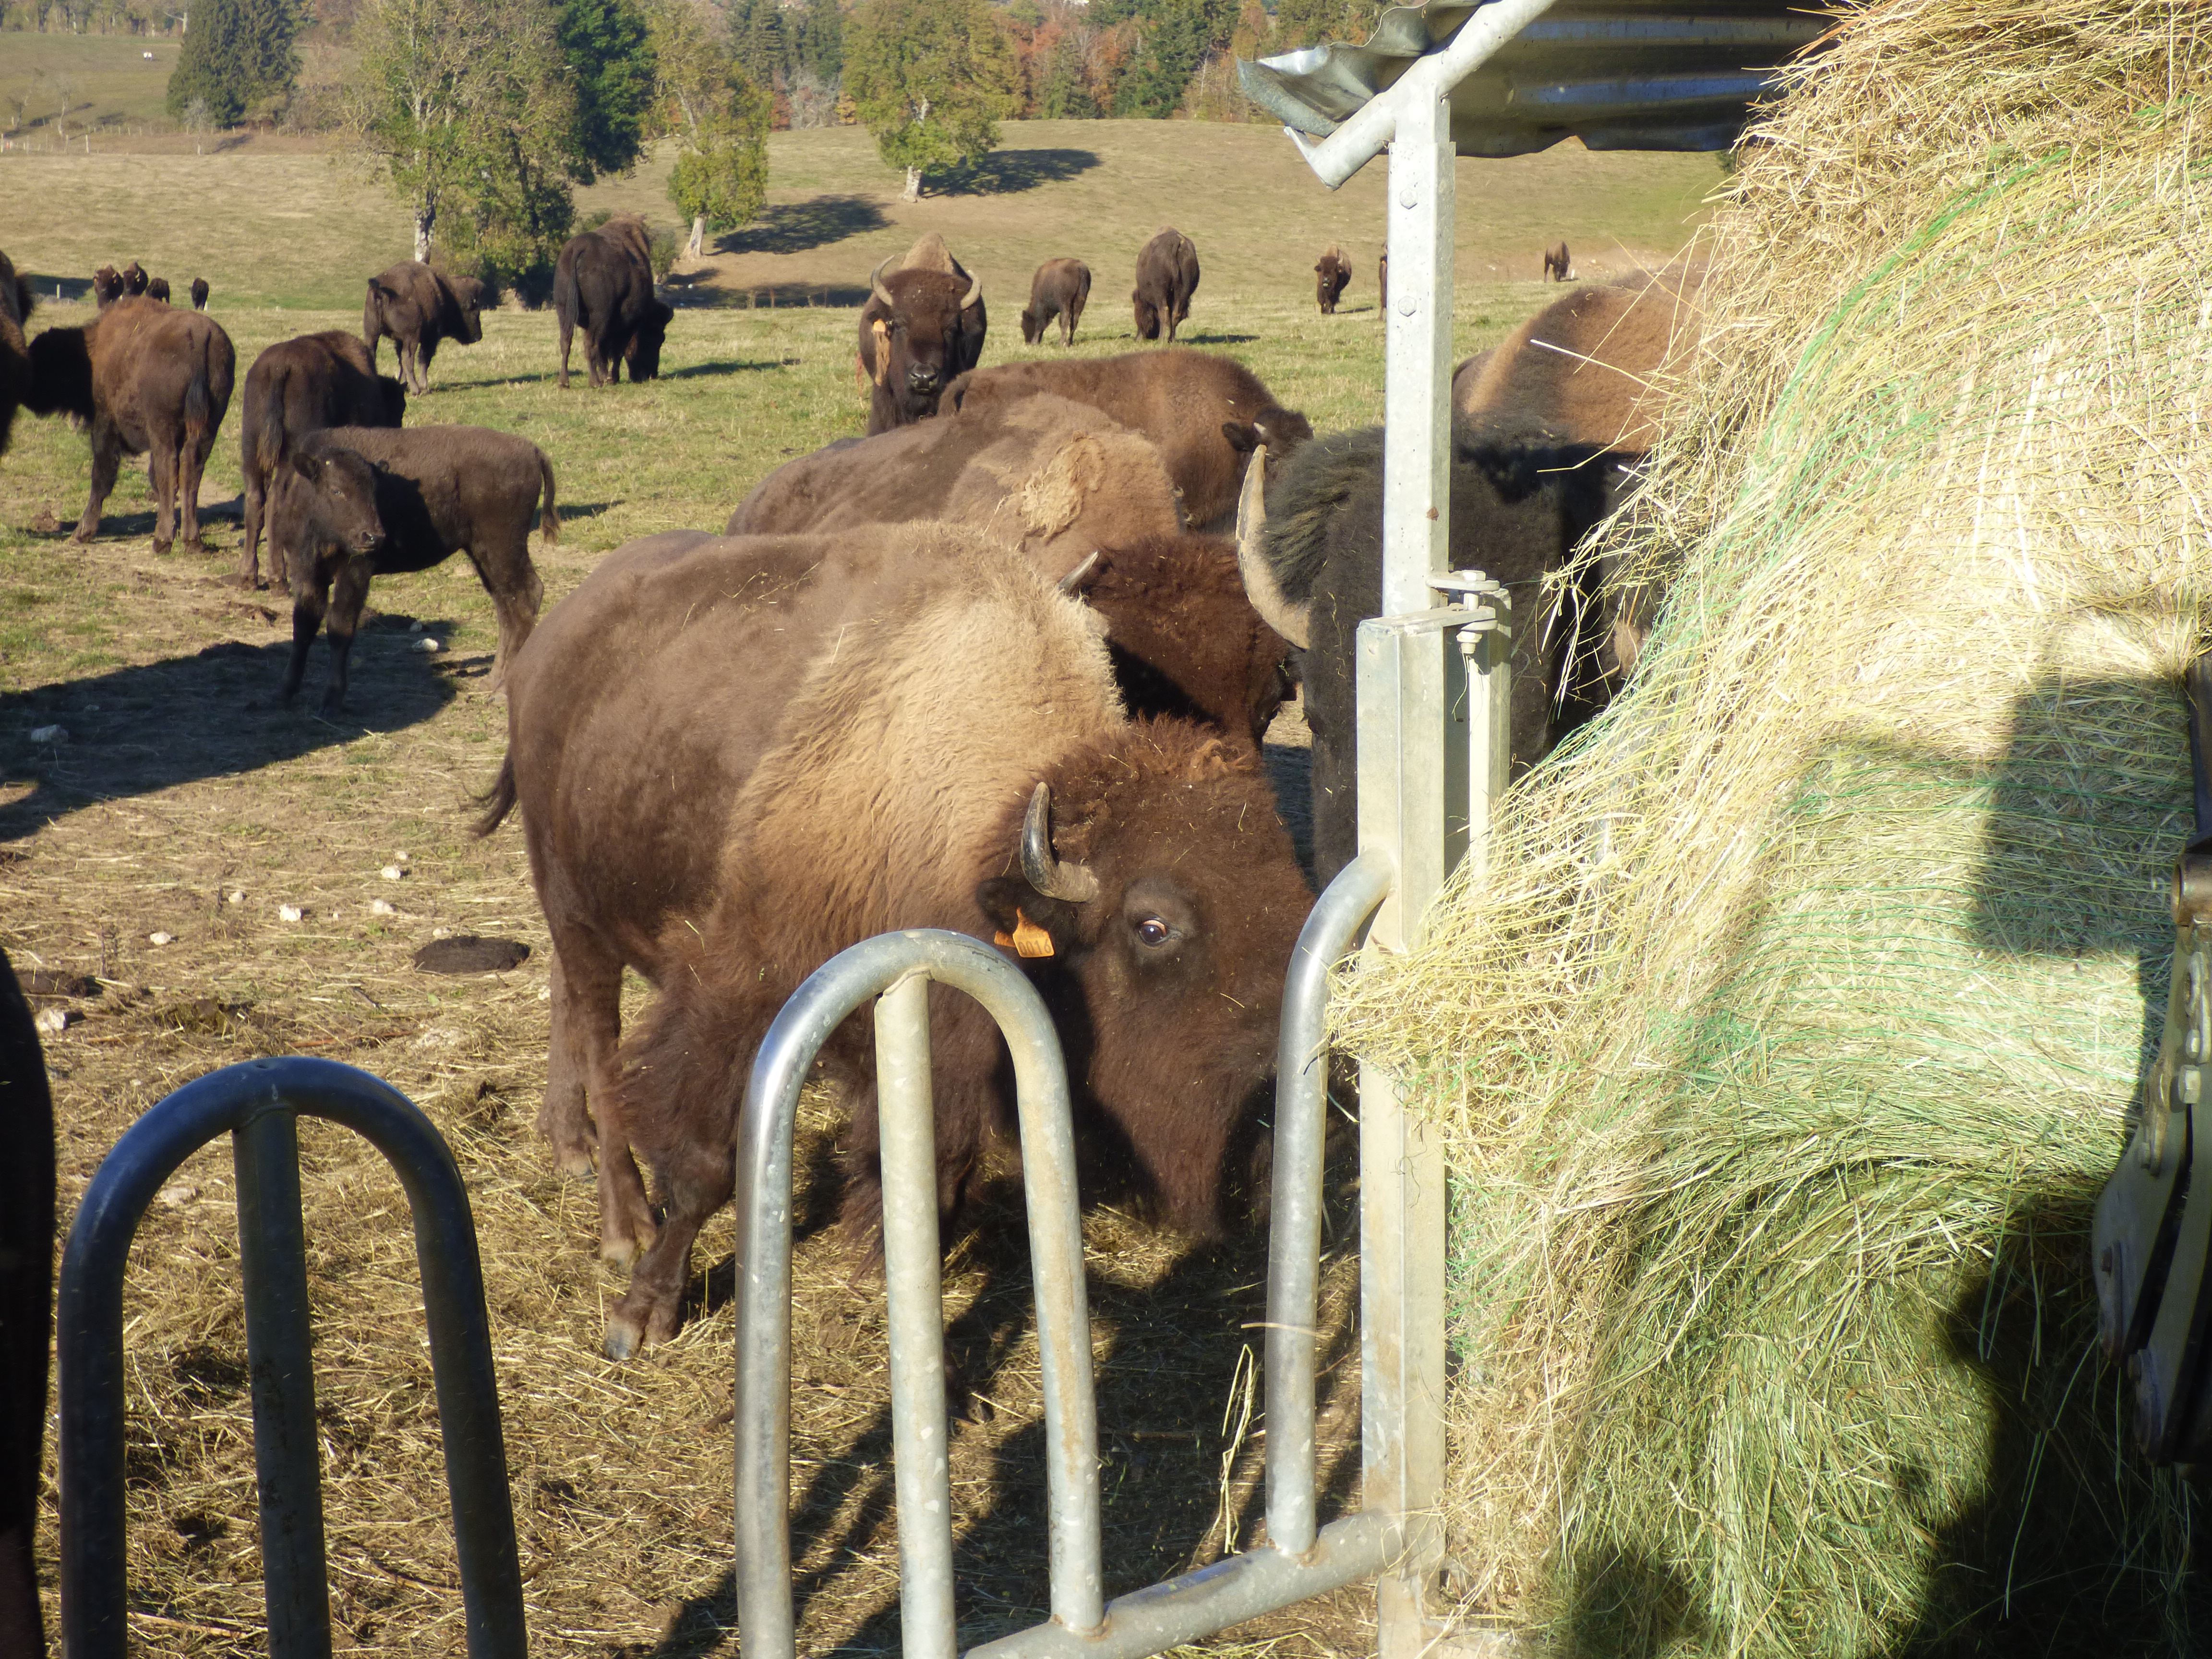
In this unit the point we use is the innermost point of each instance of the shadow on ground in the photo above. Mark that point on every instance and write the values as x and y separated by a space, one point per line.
796 227
1008 172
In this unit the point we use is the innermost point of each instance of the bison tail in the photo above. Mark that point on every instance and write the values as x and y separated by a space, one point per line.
200 418
496 801
372 323
548 522
273 440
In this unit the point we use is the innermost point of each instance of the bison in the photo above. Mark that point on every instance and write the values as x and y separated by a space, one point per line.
603 284
134 280
199 293
721 789
1556 263
1167 276
1061 289
419 308
1522 495
437 492
15 352
295 387
1206 414
143 378
106 287
921 326
158 289
26 1289
1331 278
1382 284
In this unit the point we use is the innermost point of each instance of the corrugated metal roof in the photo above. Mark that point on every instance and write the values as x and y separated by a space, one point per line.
1617 74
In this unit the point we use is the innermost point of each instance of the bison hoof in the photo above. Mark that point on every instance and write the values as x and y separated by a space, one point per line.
623 1337
161 548
621 1253
576 1162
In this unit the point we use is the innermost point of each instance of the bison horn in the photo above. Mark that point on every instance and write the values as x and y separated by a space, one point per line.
974 291
876 285
1290 621
1072 581
1045 873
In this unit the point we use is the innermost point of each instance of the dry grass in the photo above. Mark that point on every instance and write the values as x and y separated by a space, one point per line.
1784 1059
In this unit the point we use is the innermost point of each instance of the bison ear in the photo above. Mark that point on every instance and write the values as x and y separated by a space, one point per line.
1244 436
308 466
1024 920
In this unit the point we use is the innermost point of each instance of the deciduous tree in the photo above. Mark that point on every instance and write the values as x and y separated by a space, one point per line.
720 117
932 79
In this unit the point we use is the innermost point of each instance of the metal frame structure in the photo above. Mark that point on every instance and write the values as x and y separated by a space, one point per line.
258 1104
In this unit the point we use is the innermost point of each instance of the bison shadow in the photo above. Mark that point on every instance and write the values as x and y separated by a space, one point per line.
48 288
139 730
798 227
1008 172
726 365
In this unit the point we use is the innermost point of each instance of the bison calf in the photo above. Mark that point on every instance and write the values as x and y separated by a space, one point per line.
1061 289
418 308
1167 276
295 387
437 492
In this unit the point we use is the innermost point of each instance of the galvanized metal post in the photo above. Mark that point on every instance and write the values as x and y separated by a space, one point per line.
286 1450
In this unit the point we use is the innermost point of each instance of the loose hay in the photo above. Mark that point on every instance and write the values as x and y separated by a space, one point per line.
1784 1059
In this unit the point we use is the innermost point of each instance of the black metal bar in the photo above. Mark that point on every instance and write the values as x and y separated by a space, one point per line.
95 1586
2199 682
288 1463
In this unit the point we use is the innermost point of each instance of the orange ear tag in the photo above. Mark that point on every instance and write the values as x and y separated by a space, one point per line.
1028 938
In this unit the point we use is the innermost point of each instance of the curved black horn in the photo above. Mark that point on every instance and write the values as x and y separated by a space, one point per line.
1044 872
1290 621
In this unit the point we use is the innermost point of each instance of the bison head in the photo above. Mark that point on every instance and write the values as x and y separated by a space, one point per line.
322 496
913 337
61 375
1157 906
469 298
107 286
134 279
642 353
1032 327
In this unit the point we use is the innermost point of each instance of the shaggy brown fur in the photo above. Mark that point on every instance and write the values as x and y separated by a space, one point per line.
295 387
199 293
1556 263
603 284
26 1265
15 352
925 338
439 491
158 289
1205 412
1060 287
142 377
1331 276
1167 276
107 286
419 308
723 786
134 280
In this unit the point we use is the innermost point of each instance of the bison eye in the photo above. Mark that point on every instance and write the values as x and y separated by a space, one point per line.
1154 931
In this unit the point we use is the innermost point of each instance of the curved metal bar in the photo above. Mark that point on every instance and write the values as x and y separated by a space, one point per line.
833 992
1338 919
94 1588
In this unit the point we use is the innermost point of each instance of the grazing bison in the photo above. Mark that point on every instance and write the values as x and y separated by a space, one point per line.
107 286
27 1288
603 284
438 491
419 308
1167 276
134 280
14 353
143 378
921 325
1522 495
158 289
1206 414
1331 278
720 788
1593 363
199 293
1061 288
1556 263
295 387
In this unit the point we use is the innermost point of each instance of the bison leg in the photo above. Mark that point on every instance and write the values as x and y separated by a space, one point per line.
310 599
699 1183
567 336
424 352
249 559
349 594
191 464
162 468
106 460
516 590
585 987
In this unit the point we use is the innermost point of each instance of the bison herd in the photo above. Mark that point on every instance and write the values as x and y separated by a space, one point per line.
1002 666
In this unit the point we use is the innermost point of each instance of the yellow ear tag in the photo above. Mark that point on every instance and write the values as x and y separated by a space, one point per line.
1028 938
883 353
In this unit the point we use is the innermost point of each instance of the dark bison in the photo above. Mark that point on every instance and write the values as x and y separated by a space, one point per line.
158 289
1556 263
921 326
199 293
15 352
107 286
1331 276
1206 414
295 387
1167 276
134 280
1522 495
419 308
438 491
720 789
144 378
603 284
27 1286
1061 288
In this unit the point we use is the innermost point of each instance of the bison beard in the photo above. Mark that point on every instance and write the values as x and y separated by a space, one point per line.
696 713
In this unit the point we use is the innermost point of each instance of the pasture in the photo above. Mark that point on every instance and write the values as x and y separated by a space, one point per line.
184 802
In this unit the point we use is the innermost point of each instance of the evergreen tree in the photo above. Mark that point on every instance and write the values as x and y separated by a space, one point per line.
932 79
821 45
605 44
236 53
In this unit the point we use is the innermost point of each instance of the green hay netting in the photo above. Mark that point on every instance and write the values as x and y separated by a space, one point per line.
1785 1053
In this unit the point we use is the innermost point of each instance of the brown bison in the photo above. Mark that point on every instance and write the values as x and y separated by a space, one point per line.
199 293
144 378
921 325
437 492
603 284
107 286
134 280
1207 413
15 352
1556 263
295 387
722 789
1167 276
418 308
26 1289
1061 289
158 289
1522 496
1331 276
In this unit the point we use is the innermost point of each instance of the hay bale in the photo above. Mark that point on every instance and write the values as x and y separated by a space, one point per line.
1784 1060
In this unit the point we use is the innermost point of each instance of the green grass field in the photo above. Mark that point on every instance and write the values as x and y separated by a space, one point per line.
113 87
